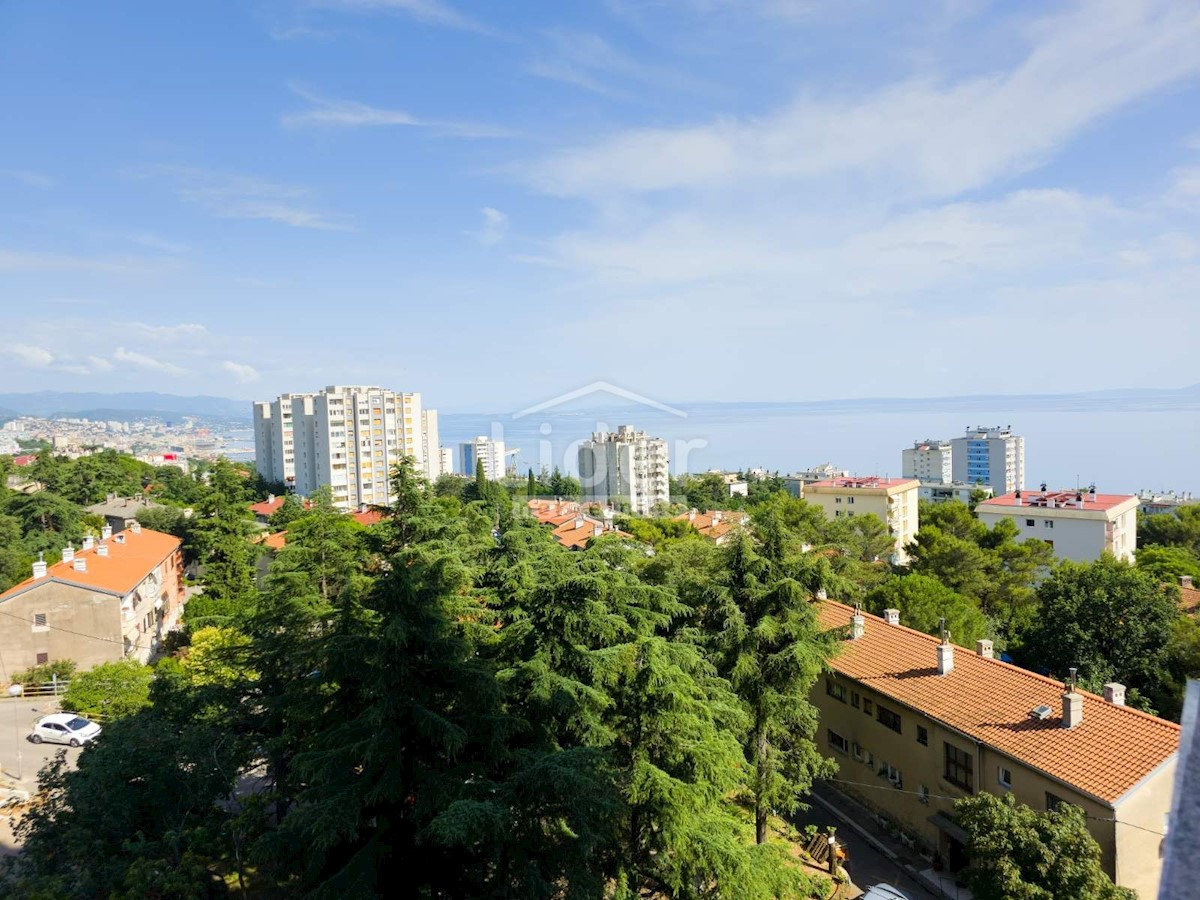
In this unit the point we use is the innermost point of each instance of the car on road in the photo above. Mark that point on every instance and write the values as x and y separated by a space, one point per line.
884 892
64 728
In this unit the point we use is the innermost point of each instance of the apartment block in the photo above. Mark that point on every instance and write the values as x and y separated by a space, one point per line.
346 437
893 500
915 723
482 449
992 456
111 599
625 467
951 492
1079 525
929 461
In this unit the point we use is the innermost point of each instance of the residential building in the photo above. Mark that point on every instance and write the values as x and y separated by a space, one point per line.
111 599
571 526
992 456
482 449
347 437
1155 502
953 491
625 467
120 512
916 723
734 482
1079 525
796 482
893 500
928 461
447 461
718 525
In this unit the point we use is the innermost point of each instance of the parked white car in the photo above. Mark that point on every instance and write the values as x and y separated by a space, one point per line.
884 892
64 728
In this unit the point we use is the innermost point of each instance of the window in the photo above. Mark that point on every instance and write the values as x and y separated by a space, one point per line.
1005 777
43 658
923 794
960 768
922 735
870 759
858 752
1049 523
836 691
849 499
1029 523
39 620
1053 801
837 499
868 706
837 742
854 699
889 718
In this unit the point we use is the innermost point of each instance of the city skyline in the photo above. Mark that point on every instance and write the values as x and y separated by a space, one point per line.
1012 190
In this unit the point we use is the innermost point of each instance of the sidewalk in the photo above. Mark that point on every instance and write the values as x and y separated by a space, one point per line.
862 821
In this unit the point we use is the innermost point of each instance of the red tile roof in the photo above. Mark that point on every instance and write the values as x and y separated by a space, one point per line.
25 459
1106 755
367 516
714 524
128 562
1060 499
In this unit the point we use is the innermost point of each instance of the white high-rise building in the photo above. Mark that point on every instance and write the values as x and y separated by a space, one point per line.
625 466
485 450
929 462
347 437
992 456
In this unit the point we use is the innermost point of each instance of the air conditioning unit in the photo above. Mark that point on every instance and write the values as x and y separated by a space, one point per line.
1041 712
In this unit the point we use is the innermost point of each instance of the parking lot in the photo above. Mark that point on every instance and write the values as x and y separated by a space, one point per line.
20 759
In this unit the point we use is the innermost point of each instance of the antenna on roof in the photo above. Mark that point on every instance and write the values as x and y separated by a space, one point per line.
1071 681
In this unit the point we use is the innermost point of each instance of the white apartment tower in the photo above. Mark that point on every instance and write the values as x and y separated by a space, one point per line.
625 466
482 449
346 437
992 456
929 462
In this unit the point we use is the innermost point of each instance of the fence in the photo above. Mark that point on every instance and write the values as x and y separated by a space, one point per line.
53 688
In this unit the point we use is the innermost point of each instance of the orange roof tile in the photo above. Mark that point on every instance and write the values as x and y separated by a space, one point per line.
866 482
1189 599
121 571
1106 755
1061 499
266 507
367 517
714 524
276 541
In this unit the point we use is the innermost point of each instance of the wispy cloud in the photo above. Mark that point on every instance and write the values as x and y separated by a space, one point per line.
29 178
144 361
431 12
297 33
234 196
494 229
34 357
244 374
920 137
169 332
588 61
32 261
155 242
330 113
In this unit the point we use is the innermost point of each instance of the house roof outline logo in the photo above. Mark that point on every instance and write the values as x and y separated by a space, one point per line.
597 387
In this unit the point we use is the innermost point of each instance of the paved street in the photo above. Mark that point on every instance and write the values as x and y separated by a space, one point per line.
866 865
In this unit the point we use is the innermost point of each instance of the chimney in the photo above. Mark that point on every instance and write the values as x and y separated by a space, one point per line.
102 549
1092 492
136 527
120 538
891 616
1017 498
715 516
80 564
105 532
68 553
39 567
983 647
858 625
945 654
1114 693
579 522
270 498
88 540
597 528
1185 581
1072 703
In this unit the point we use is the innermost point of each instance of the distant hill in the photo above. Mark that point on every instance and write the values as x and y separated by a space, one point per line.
109 406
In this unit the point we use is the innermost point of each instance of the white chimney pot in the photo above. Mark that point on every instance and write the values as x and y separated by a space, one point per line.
1072 709
39 569
80 564
102 549
858 626
68 553
1114 693
945 658
891 616
983 647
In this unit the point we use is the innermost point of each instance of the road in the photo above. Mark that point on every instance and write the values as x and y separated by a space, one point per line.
19 756
866 865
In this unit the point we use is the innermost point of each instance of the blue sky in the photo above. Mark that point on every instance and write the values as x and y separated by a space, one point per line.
494 203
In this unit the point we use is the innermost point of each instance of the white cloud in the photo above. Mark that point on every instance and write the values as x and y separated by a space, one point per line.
495 227
143 361
34 357
921 137
589 62
240 371
325 112
28 178
432 12
32 261
234 196
99 364
170 332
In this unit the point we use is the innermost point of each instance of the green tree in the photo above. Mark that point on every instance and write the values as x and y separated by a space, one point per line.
772 652
1180 528
1108 619
531 486
291 509
1168 563
110 691
1017 852
924 602
219 539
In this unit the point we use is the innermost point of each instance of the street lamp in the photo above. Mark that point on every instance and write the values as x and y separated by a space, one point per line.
15 691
